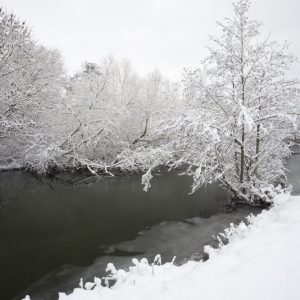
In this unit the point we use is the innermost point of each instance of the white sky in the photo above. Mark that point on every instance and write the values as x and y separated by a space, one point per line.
164 34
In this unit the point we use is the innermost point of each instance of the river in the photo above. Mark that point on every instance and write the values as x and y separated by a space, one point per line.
56 230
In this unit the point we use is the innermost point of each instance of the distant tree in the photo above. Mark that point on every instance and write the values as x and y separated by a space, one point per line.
241 112
93 113
109 109
158 97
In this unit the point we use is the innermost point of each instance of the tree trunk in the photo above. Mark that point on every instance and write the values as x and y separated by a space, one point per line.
242 155
257 141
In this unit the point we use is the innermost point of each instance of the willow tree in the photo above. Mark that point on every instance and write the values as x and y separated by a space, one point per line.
242 110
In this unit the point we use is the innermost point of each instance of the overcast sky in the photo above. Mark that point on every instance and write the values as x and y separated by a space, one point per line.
164 34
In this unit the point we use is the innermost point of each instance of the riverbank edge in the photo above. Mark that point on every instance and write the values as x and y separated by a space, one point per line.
259 262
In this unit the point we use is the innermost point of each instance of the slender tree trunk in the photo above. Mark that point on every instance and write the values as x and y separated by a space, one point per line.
257 147
242 155
143 134
257 141
243 133
243 102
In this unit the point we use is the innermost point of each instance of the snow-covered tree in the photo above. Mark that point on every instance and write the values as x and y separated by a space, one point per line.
158 96
109 109
16 46
242 110
31 79
94 114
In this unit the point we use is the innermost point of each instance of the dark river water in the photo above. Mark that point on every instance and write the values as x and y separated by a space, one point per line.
54 231
293 165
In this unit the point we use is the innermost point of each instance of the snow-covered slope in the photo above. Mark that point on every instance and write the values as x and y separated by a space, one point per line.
261 261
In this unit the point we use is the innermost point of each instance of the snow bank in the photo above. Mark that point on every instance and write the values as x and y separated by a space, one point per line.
261 261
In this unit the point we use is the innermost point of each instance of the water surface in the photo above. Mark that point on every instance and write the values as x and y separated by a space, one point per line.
45 224
54 231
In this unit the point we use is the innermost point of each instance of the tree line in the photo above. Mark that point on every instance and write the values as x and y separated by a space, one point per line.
229 121
49 119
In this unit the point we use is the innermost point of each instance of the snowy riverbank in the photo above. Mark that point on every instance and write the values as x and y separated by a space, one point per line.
261 262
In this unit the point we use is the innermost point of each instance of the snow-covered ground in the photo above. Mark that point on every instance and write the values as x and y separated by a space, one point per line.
261 261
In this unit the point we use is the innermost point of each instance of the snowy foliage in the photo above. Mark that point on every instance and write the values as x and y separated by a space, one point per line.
50 121
231 125
242 110
31 78
110 109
